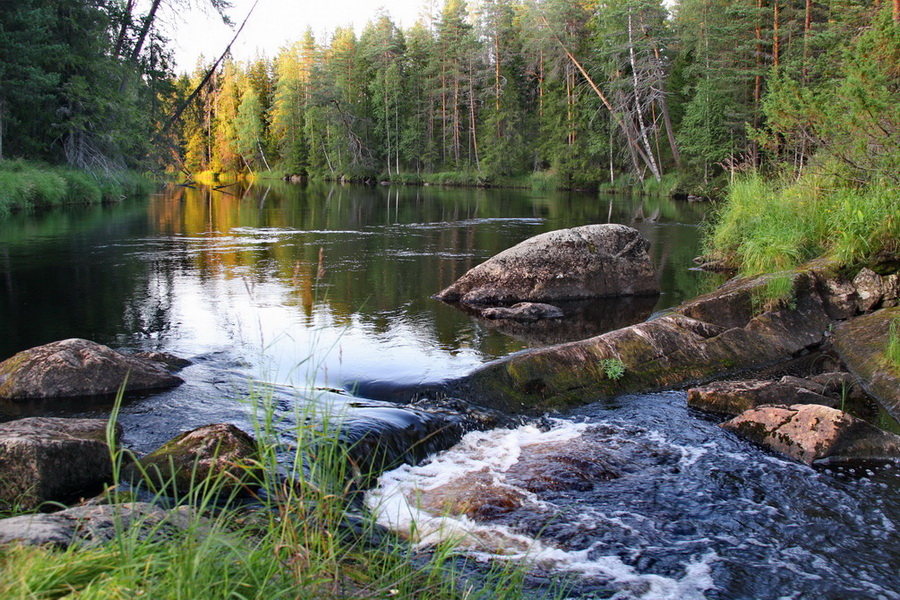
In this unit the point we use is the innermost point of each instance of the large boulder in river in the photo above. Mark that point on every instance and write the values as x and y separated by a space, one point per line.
812 433
77 367
44 458
593 261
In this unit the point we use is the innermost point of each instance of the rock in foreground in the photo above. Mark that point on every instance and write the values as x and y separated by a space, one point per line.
219 453
77 367
812 433
43 458
593 261
734 397
87 526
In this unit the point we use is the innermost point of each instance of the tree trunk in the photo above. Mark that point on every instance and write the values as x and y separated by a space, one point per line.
897 12
472 123
497 82
637 106
123 28
776 41
757 82
142 37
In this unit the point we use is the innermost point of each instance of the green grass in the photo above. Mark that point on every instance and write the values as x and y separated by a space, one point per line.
305 537
26 185
892 351
770 226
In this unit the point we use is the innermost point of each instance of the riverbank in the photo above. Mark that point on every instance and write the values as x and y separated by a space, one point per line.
275 520
669 185
28 185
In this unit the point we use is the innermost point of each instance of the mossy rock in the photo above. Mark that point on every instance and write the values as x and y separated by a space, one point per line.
861 344
219 458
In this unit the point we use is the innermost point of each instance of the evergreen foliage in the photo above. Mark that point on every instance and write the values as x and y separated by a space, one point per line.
586 93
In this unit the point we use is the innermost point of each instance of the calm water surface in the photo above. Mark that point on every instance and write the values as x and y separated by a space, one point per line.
305 287
300 283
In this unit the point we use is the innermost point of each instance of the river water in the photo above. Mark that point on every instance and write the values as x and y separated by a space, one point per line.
310 291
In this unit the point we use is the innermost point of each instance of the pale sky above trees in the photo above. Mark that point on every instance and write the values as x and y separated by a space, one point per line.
275 23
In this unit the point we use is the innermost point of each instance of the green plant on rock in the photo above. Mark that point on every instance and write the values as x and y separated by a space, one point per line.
613 368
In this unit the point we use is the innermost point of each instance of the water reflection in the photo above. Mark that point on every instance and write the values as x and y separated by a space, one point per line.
304 283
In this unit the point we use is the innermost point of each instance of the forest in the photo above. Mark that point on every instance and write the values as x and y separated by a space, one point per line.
568 93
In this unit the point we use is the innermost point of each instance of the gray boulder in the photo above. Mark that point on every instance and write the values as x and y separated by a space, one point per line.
811 433
43 459
87 526
77 367
593 261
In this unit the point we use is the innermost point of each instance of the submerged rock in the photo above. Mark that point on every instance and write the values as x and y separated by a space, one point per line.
812 433
87 526
44 459
215 455
592 261
523 311
735 397
76 367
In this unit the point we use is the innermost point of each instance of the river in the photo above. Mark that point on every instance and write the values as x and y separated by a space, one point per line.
315 290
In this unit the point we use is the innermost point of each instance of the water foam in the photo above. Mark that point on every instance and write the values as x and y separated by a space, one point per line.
401 503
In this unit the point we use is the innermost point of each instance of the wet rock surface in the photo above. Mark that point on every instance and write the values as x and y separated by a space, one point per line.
811 433
591 261
52 459
523 311
87 526
77 367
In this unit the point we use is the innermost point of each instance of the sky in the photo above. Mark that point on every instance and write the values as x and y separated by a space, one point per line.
274 24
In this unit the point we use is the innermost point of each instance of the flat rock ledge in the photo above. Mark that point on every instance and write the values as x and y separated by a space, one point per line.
592 261
815 434
734 397
77 367
44 459
721 334
89 526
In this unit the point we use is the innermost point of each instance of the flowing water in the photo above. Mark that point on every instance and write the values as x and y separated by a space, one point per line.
318 290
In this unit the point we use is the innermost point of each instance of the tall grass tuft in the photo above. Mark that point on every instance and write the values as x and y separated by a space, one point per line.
770 226
892 351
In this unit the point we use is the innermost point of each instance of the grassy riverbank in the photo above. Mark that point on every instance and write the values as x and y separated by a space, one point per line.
28 185
302 534
770 226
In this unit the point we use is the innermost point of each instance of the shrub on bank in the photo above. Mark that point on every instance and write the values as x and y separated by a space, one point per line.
25 185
